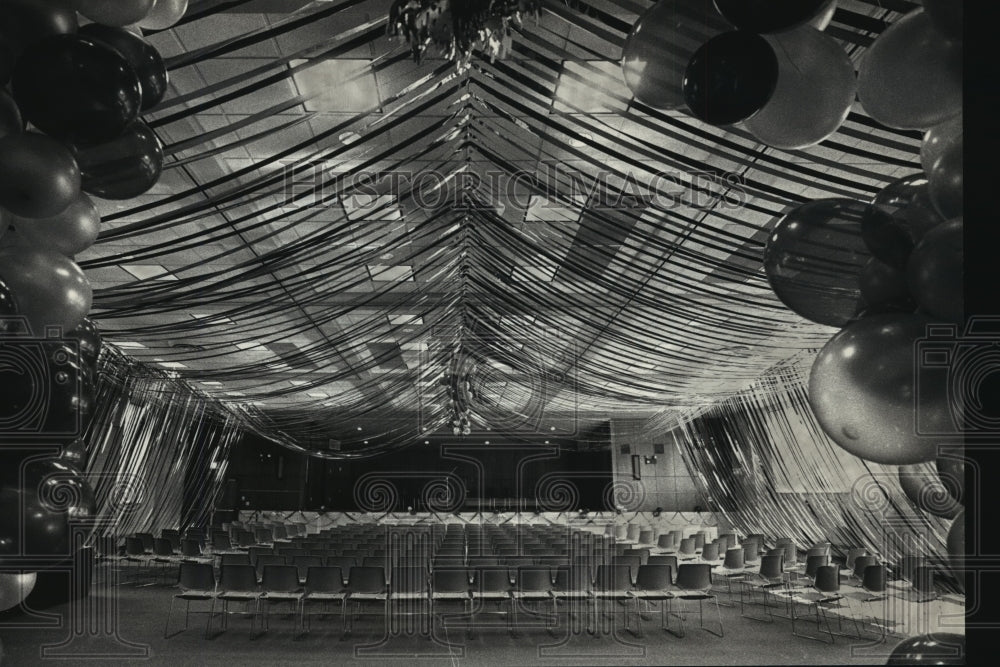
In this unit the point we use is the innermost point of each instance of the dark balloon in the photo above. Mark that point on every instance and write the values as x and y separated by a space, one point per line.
951 469
771 15
75 453
140 54
23 22
660 45
947 183
813 259
883 288
730 78
70 232
41 505
117 13
38 176
50 289
947 16
89 339
934 272
941 648
924 488
899 216
10 116
76 89
124 168
863 389
939 140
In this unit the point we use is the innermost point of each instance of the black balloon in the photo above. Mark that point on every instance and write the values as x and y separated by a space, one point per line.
10 116
770 15
924 488
123 168
951 470
75 453
76 90
140 54
23 22
813 259
89 339
40 506
934 272
942 648
883 289
899 216
730 78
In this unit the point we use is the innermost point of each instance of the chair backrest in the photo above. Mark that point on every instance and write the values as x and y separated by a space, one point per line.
375 561
923 579
654 577
908 566
628 561
710 552
827 579
147 541
814 562
280 578
234 559
492 579
699 540
687 546
734 559
324 579
730 539
162 547
238 578
197 577
450 580
221 542
791 553
531 578
861 562
572 579
819 549
665 541
367 579
616 578
694 576
645 537
133 546
874 578
263 535
632 532
280 533
772 566
190 548
621 532
751 551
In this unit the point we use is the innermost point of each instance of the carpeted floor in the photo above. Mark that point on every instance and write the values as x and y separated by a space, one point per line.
141 612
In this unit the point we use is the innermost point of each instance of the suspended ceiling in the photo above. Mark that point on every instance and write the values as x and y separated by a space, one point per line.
334 219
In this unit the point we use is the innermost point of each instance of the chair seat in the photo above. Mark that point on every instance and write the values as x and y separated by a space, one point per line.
652 595
570 594
283 595
238 595
493 595
195 595
325 596
694 596
368 596
611 595
450 596
727 572
532 595
415 595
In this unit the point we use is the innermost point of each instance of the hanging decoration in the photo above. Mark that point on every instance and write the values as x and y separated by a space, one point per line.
456 27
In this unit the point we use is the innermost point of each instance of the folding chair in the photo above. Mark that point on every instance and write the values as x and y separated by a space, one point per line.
450 584
197 584
237 583
694 583
532 584
280 585
366 584
612 584
490 584
652 584
825 594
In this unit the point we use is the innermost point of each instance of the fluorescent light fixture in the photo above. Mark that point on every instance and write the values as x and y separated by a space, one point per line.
130 345
297 383
337 85
317 394
405 319
248 345
149 272
211 383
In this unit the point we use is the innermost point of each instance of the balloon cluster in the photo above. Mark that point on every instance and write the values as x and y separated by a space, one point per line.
769 65
71 99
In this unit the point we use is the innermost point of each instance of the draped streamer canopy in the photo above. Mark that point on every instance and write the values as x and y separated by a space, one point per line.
336 222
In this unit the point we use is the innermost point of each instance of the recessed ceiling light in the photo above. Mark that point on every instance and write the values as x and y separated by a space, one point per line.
359 428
